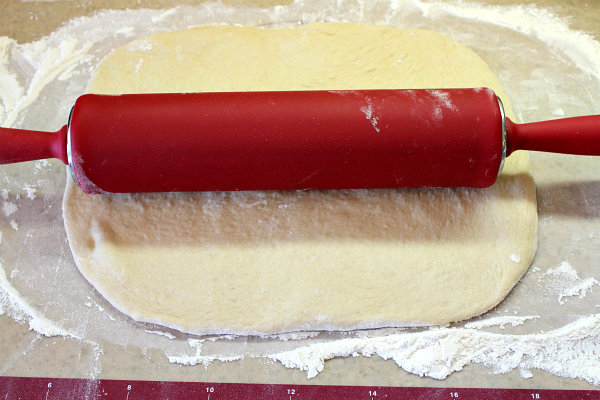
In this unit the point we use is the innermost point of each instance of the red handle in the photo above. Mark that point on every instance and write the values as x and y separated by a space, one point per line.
578 135
17 145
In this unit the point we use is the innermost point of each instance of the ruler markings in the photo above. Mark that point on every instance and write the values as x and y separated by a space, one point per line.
106 389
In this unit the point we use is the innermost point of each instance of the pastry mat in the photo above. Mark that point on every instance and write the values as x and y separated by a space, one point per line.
96 342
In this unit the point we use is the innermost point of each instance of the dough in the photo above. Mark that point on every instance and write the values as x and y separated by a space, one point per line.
267 262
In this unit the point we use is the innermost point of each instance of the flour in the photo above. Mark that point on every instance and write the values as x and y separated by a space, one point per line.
570 351
502 321
140 45
48 63
162 333
14 305
30 190
10 89
525 373
293 336
580 47
96 363
443 99
202 360
515 258
197 358
41 165
164 15
567 281
368 111
8 208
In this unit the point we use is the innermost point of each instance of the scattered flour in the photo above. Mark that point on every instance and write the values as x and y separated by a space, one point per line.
293 335
565 278
368 111
30 191
14 305
161 333
512 320
197 358
569 351
95 364
221 337
140 45
579 46
18 308
9 208
515 258
41 165
48 62
443 99
525 373
126 31
164 15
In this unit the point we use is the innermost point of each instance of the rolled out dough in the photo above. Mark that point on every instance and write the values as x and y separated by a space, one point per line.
267 262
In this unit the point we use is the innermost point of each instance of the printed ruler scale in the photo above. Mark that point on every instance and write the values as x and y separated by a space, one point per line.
64 388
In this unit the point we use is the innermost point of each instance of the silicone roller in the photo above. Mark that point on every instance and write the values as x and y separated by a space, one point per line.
293 140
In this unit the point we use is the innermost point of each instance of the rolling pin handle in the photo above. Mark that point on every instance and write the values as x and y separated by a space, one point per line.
577 135
18 145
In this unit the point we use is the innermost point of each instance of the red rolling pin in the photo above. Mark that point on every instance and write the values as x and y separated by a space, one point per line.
293 140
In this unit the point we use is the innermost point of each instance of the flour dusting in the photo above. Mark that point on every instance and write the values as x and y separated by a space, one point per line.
140 45
294 335
570 351
369 114
580 47
48 63
443 99
198 358
30 191
502 321
9 208
567 281
14 305
161 333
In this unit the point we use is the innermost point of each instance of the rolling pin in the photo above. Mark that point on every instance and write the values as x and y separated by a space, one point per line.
293 140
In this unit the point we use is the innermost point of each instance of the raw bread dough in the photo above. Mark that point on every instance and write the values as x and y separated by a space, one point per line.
266 262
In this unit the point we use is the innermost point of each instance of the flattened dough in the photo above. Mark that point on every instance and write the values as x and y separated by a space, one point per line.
267 262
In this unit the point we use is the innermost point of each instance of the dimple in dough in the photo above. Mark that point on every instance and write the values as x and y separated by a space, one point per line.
268 262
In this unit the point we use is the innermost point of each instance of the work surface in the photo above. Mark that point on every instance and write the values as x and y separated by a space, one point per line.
543 79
